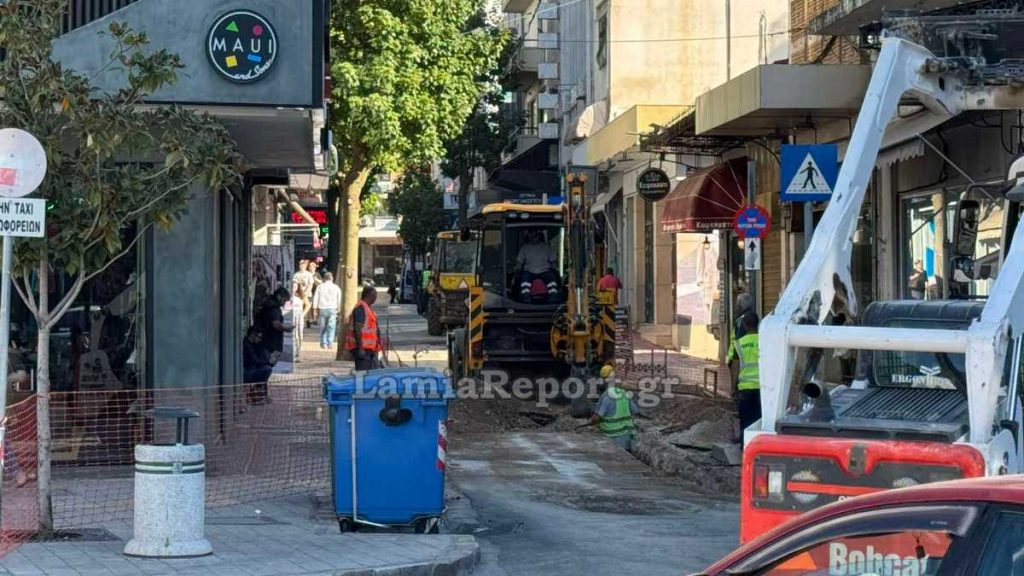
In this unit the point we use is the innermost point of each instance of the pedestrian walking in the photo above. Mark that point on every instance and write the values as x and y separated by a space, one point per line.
918 281
300 305
363 339
271 322
326 303
393 292
615 411
745 347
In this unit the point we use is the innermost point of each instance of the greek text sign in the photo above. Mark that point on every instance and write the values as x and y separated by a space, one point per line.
23 217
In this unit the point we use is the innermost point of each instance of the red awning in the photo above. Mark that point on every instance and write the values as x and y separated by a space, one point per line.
707 200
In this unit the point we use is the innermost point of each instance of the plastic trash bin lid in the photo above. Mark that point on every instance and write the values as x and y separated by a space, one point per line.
392 381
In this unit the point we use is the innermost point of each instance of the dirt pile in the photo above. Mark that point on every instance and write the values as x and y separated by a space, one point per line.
691 437
694 438
482 416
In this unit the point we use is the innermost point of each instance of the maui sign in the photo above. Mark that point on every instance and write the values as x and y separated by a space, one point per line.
242 46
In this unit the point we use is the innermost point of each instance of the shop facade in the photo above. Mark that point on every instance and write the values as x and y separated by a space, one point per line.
172 313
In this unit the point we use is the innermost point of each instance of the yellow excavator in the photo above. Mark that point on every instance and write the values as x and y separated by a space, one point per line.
452 268
560 324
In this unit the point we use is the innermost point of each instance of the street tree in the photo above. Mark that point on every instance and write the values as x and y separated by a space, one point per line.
115 169
420 201
486 132
405 79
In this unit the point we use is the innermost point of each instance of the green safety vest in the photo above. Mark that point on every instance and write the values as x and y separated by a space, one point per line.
747 350
620 422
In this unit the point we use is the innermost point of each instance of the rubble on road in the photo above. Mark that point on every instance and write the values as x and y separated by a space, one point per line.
686 436
692 437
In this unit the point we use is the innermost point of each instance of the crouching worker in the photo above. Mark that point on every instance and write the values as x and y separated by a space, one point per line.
615 411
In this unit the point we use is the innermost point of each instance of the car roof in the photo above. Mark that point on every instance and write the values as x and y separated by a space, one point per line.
997 490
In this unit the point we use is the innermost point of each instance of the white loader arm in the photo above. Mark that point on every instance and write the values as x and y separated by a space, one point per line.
823 278
824 270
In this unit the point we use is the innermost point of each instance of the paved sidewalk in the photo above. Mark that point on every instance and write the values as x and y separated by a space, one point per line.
289 536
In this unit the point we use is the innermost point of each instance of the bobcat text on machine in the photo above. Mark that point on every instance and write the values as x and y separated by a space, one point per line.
897 425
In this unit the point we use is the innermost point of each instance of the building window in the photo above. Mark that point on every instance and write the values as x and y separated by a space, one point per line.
602 41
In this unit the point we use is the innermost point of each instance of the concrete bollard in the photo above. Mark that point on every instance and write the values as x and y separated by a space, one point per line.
170 495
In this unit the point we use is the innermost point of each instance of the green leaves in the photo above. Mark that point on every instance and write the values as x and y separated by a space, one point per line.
404 76
114 166
420 203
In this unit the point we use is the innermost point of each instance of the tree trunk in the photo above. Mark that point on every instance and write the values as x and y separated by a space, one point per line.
348 264
43 322
465 185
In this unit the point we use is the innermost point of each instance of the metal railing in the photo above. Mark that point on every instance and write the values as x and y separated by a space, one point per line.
82 12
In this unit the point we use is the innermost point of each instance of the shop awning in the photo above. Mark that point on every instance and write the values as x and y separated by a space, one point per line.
707 200
603 199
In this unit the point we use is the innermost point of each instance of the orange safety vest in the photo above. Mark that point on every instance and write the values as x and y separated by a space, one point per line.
370 340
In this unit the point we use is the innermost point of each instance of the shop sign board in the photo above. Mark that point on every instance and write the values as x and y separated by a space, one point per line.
242 46
752 222
653 184
809 173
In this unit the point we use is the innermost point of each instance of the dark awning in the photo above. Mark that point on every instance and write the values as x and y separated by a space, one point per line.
707 200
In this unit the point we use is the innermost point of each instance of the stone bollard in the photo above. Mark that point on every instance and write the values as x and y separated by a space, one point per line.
170 495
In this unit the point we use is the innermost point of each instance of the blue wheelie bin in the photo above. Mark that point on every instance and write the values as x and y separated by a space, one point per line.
388 447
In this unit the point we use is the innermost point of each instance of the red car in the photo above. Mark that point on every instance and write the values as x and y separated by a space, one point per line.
966 527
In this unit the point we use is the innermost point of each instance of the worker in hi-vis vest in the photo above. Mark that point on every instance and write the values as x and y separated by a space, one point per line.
615 411
745 347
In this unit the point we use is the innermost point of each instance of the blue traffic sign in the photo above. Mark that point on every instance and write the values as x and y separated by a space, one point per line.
809 173
752 222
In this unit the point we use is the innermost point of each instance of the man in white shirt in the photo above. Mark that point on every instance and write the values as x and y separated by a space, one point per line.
537 259
326 303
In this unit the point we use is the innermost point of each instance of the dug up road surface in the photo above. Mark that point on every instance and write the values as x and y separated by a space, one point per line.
544 498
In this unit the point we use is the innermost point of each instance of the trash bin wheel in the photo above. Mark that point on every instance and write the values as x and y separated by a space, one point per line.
428 526
346 525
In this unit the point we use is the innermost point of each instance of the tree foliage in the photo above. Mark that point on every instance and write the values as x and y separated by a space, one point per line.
113 165
486 132
405 78
421 203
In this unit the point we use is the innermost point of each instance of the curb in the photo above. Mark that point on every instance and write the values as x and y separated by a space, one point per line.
461 559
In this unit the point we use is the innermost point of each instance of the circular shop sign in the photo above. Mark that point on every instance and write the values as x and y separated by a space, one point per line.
242 46
653 184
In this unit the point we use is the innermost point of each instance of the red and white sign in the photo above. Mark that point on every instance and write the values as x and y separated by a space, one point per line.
442 445
22 163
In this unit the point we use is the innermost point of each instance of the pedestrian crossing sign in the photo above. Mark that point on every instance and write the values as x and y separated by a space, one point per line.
809 173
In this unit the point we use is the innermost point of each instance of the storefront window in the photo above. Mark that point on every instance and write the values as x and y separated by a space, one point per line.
927 233
924 231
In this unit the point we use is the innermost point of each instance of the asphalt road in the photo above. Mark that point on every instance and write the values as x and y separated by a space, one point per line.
556 503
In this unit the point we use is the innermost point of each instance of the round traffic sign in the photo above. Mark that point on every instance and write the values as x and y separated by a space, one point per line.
653 184
752 222
22 163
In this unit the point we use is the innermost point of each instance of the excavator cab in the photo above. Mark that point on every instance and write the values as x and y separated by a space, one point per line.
452 273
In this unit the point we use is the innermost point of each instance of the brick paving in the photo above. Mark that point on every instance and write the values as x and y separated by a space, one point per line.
293 534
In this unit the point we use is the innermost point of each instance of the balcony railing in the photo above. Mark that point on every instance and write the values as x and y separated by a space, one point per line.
82 12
